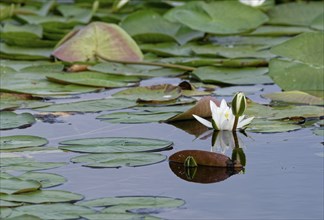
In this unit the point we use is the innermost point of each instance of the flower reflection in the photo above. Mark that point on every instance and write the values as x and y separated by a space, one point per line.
224 140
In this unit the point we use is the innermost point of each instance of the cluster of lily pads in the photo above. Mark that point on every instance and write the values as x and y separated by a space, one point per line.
201 45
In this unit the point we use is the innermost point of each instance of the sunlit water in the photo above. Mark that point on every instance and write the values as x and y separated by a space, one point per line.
283 177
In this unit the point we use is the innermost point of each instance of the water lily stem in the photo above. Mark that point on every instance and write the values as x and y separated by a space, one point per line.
168 65
235 123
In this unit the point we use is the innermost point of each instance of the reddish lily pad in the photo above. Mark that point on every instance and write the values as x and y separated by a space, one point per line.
98 39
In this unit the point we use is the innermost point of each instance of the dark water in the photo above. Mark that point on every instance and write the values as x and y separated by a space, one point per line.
283 177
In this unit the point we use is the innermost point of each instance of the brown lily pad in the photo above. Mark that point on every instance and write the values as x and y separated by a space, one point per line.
202 108
98 39
204 158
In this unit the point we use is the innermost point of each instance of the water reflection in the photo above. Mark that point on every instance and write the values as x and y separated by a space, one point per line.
222 142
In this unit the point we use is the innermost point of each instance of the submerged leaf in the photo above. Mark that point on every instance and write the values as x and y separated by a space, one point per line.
99 39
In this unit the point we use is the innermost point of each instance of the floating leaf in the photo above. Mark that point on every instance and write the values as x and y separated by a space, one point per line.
21 141
116 160
96 105
235 76
115 145
5 212
11 120
220 17
93 79
107 40
16 185
204 158
285 14
271 126
24 53
151 94
43 196
9 204
271 30
52 211
134 202
11 101
45 179
295 97
318 22
123 216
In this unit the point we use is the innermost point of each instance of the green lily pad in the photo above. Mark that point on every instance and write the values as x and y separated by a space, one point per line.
168 49
115 145
16 185
136 117
24 53
219 17
96 105
116 160
21 141
285 14
37 84
45 179
121 216
134 202
5 212
93 79
271 126
234 76
297 97
11 101
9 204
26 164
109 41
43 196
291 76
318 22
11 120
52 211
152 94
272 30
319 132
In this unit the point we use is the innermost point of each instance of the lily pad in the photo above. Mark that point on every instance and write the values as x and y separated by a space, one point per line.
45 179
121 216
234 76
21 141
16 185
116 160
285 14
318 22
9 204
152 94
115 145
24 53
52 211
43 196
93 79
297 97
271 126
11 120
96 105
5 212
219 17
11 101
109 41
134 202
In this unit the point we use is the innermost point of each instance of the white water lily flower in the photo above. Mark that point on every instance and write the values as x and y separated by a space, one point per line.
225 140
253 3
223 118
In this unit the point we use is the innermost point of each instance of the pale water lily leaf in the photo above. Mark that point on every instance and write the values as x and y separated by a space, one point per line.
11 120
219 17
43 196
271 126
53 211
9 204
318 22
16 185
4 211
95 105
116 160
21 141
99 39
115 145
279 31
45 179
234 76
24 53
12 101
297 97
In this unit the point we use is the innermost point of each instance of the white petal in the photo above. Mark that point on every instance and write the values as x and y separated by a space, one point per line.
223 104
213 109
244 122
203 121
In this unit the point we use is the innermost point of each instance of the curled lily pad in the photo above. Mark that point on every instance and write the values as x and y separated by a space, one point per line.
115 145
11 120
98 39
21 141
115 160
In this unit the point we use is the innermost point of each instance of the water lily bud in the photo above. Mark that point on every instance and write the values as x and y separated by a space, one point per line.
239 104
190 162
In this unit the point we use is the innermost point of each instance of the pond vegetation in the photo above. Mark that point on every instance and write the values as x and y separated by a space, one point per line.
118 84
